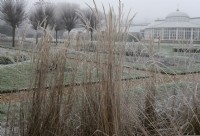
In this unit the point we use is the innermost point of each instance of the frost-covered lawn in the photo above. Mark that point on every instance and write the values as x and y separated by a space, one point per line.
19 76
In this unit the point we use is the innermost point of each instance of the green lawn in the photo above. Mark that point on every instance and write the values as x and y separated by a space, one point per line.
15 76
168 89
18 76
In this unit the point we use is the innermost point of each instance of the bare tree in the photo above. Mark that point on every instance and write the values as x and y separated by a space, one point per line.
90 20
58 26
43 16
69 16
49 12
13 13
36 18
58 22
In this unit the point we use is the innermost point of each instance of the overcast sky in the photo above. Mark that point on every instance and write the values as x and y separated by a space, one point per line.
147 10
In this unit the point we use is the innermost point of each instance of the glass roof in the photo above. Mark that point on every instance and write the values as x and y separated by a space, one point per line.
175 19
178 16
178 13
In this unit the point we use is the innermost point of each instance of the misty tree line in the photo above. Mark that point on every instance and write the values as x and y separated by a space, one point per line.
63 16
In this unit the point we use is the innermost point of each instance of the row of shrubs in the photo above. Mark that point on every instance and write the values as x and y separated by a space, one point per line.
4 60
187 50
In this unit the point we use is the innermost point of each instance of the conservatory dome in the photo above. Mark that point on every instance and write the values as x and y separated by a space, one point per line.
178 16
176 27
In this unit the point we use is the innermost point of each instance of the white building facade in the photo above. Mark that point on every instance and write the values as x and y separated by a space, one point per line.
176 27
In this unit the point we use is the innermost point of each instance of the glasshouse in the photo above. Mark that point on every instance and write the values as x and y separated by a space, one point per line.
176 27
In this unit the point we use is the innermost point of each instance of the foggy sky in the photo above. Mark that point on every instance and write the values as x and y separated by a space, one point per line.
147 10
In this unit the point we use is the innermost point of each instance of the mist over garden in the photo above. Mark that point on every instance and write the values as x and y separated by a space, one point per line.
69 70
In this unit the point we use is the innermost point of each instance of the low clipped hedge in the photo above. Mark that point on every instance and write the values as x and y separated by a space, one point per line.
20 58
187 50
5 60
